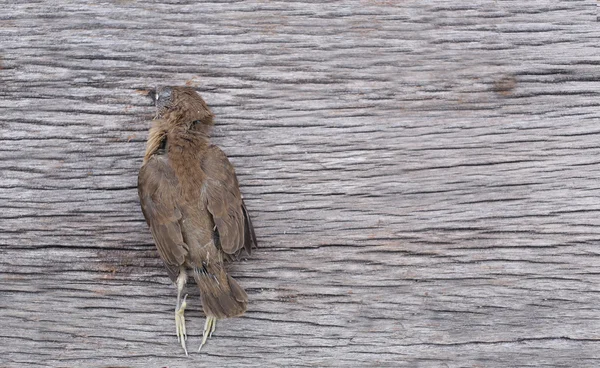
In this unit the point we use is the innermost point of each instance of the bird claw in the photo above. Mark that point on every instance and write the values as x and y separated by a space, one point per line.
180 324
209 327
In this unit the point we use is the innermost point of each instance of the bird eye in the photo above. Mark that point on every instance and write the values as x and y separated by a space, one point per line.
163 98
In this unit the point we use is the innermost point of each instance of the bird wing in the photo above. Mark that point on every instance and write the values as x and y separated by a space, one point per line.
221 194
157 185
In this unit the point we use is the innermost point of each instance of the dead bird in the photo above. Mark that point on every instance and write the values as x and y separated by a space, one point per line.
191 200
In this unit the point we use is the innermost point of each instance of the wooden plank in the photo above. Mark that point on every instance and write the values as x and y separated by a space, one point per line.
423 178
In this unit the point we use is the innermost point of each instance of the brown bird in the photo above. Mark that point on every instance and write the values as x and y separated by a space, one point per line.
191 200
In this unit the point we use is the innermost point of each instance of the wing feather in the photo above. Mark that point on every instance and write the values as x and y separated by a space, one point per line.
223 199
156 187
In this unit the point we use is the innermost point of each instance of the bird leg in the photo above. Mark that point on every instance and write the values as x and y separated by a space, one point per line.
209 328
180 309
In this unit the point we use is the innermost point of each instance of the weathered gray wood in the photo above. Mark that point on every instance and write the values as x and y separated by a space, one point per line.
423 177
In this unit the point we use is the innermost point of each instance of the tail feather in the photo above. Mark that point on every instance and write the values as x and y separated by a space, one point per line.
221 295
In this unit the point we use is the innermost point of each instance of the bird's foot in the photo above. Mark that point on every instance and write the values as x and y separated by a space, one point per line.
180 324
209 328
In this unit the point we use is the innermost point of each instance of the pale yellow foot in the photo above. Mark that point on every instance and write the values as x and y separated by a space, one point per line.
180 324
209 328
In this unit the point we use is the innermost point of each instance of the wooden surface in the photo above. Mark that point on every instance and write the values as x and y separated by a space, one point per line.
423 177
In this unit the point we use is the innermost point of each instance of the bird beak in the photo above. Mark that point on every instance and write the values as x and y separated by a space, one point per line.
153 95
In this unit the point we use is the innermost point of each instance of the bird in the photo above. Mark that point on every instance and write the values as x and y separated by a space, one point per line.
190 198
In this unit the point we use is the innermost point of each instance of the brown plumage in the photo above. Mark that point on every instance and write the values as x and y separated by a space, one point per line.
191 200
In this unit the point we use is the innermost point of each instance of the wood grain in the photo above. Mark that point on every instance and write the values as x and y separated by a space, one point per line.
422 176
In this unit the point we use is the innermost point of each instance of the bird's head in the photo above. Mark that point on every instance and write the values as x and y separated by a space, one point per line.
181 105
